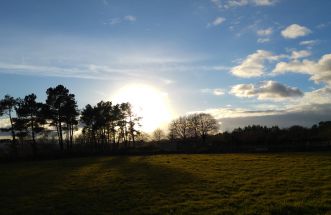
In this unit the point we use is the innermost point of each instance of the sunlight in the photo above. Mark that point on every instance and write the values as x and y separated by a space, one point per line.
148 102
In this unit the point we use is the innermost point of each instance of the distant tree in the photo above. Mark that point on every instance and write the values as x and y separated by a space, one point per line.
207 125
324 130
193 126
143 137
172 135
158 134
7 107
179 128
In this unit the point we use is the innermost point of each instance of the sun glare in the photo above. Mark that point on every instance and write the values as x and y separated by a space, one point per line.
147 102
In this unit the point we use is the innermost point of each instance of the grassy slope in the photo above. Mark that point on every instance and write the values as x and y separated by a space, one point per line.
297 183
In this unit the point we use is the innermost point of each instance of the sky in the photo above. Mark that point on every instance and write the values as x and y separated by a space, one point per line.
245 62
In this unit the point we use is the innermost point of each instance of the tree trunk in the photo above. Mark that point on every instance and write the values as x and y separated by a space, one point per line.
13 134
60 136
34 145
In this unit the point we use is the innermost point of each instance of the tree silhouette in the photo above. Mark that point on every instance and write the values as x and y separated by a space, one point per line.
7 107
62 111
130 121
70 118
207 125
193 126
30 117
111 124
158 134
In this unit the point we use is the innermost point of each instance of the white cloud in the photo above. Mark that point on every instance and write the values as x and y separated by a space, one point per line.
265 2
253 65
308 42
233 112
236 3
130 18
266 90
227 4
319 71
263 40
313 99
217 21
293 31
216 91
300 54
118 20
264 32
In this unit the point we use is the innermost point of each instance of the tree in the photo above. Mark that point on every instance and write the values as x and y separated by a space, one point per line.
193 126
70 118
179 128
158 134
30 117
89 119
107 123
131 120
62 111
7 107
207 125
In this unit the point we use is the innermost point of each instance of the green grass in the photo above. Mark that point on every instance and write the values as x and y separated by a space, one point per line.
292 183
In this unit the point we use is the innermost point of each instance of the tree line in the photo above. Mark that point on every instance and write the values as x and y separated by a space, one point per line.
102 124
56 127
252 138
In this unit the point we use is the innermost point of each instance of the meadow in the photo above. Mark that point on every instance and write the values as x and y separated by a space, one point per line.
285 183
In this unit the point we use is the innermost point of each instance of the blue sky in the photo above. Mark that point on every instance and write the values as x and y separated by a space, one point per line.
244 61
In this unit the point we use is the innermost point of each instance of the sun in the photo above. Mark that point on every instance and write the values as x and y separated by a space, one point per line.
147 102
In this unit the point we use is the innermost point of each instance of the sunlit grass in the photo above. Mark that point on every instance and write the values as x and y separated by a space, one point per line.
296 183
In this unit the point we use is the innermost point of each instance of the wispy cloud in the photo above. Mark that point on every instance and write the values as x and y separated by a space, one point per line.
118 20
130 18
227 4
216 91
264 32
217 21
308 43
263 40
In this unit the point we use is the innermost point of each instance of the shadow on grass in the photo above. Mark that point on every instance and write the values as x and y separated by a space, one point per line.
114 185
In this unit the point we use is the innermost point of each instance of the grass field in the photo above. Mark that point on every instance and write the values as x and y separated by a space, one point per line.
292 183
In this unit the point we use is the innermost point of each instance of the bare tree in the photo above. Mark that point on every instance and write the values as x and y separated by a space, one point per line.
207 125
158 134
193 126
179 128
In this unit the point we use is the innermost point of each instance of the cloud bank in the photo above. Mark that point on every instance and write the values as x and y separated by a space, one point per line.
266 90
